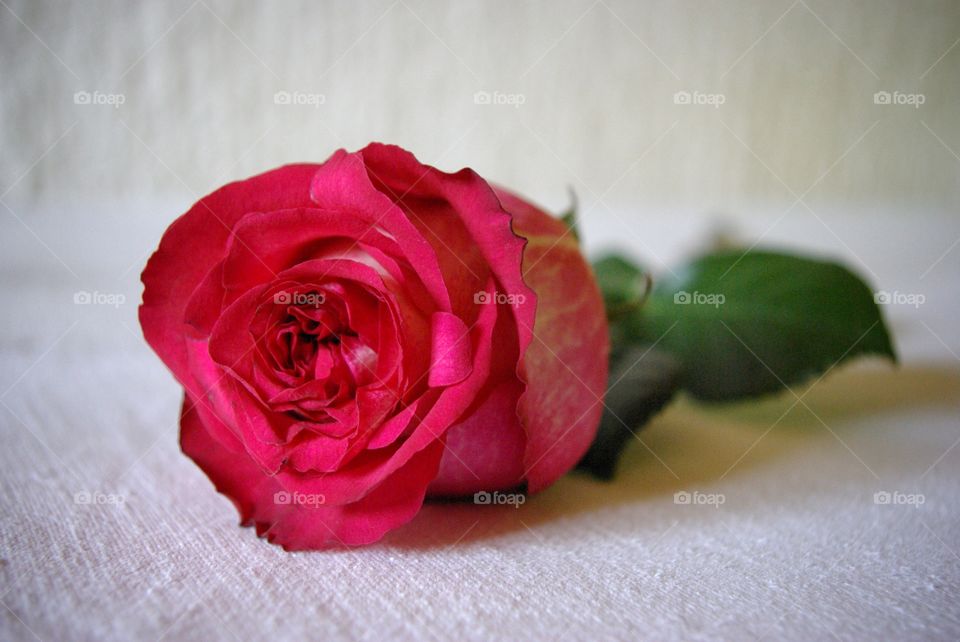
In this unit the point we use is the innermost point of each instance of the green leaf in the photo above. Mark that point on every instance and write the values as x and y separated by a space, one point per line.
623 285
642 380
746 324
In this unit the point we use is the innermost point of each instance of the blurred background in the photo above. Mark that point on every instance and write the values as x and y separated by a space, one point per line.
831 127
692 106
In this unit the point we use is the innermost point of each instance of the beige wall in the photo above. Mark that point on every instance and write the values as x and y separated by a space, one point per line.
597 82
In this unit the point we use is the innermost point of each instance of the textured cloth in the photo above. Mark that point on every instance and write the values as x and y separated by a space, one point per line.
798 548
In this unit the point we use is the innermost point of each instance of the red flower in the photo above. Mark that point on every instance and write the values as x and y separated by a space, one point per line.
355 335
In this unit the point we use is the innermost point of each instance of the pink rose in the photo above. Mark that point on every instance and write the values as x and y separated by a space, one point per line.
355 335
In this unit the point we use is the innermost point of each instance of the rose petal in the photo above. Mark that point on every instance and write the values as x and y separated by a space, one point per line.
390 430
372 467
450 355
262 245
485 450
479 209
298 527
341 184
567 362
195 243
232 344
227 400
204 305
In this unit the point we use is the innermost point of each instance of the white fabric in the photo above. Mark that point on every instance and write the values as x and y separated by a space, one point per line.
798 550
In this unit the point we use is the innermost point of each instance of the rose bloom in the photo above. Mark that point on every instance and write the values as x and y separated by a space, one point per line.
357 335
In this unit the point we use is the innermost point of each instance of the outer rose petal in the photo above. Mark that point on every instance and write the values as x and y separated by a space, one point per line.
341 184
480 454
296 527
541 434
566 364
195 243
485 450
476 204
